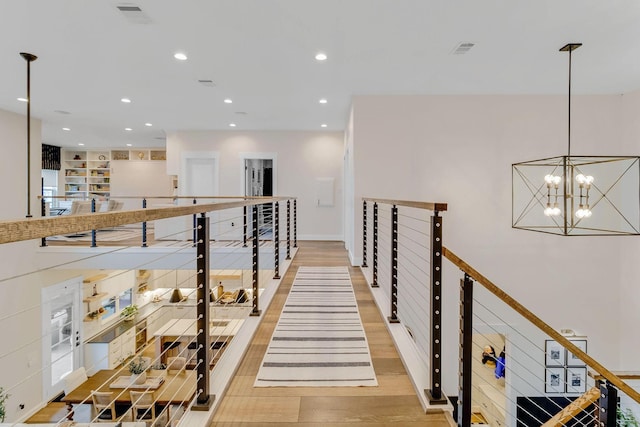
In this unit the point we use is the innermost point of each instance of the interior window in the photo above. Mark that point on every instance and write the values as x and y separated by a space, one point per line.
109 306
125 299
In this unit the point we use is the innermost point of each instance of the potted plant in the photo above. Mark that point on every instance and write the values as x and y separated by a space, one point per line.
626 418
129 312
138 369
3 398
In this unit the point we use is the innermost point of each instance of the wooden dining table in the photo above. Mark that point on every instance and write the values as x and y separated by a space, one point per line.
178 387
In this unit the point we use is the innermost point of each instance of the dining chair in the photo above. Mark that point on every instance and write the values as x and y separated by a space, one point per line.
104 404
143 406
177 363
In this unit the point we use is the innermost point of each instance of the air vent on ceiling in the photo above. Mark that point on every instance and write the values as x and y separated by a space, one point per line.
134 14
463 48
241 113
208 83
61 112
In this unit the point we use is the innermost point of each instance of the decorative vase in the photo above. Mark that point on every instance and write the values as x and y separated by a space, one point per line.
139 378
129 318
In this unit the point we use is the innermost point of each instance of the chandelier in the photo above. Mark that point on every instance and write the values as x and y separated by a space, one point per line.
577 195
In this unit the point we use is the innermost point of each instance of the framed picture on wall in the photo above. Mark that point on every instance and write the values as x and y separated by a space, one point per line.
576 380
554 354
554 380
573 360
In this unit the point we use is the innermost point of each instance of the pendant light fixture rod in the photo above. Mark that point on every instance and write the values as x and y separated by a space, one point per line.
570 47
29 58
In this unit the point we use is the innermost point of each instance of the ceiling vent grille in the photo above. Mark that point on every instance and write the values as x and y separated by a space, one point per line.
463 48
134 14
208 83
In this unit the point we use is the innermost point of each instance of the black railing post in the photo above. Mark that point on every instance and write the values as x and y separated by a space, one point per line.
295 223
435 394
195 221
608 403
144 225
244 226
204 399
43 212
288 229
256 244
93 232
394 266
364 233
374 282
276 240
466 351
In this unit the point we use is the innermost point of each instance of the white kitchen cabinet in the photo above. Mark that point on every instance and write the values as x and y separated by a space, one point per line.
110 349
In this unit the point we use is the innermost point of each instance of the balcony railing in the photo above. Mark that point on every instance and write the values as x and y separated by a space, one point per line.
216 266
514 369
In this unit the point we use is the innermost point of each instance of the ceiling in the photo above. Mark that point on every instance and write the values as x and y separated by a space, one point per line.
260 54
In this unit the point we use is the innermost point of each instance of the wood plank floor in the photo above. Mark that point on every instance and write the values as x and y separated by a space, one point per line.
393 402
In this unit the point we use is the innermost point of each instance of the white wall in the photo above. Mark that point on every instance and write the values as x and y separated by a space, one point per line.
18 258
629 347
301 158
140 178
459 150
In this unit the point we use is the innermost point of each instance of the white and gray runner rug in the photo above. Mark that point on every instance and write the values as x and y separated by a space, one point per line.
319 339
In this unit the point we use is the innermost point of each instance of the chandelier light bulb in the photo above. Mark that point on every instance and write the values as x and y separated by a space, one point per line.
583 180
552 179
556 211
583 212
548 211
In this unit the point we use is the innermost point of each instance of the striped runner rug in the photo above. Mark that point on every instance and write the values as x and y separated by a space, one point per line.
319 339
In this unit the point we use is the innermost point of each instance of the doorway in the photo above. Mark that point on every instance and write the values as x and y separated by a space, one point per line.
259 182
62 335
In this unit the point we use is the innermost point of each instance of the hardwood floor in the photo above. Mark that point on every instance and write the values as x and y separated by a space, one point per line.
392 402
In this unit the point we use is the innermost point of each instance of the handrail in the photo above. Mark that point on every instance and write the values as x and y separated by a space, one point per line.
432 206
159 197
37 228
623 375
524 312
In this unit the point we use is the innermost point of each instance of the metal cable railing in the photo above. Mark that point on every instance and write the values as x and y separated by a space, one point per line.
231 262
514 368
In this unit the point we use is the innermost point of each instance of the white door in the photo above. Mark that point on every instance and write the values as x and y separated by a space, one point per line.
61 334
201 180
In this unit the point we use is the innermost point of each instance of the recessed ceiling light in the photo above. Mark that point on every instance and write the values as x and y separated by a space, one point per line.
180 56
128 145
228 101
22 99
128 129
80 143
66 129
323 101
321 56
324 125
148 124
126 100
232 125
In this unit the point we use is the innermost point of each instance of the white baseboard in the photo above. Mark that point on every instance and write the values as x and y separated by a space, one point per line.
407 349
323 237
